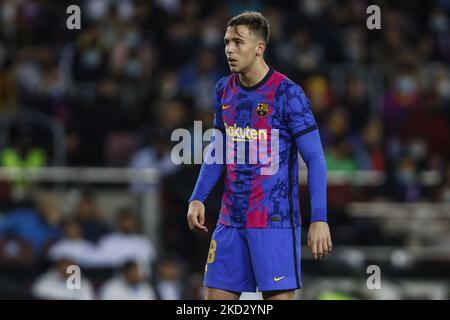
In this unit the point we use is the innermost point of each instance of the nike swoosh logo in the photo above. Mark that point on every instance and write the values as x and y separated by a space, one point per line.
225 106
278 279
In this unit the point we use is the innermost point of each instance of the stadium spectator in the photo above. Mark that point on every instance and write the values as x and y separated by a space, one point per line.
39 225
74 247
155 153
169 279
130 284
368 147
53 285
91 219
127 244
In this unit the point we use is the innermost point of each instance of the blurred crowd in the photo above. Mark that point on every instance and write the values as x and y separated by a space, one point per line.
39 242
139 69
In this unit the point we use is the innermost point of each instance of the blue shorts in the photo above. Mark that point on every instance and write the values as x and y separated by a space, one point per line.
251 259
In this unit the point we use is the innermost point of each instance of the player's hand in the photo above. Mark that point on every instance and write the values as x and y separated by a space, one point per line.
319 240
196 216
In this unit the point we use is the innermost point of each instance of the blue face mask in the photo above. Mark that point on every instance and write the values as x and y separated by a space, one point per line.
439 24
406 84
91 58
132 39
406 177
133 68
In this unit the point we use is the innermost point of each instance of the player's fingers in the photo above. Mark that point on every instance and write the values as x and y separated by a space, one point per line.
202 229
193 223
319 249
189 221
309 244
314 249
330 244
197 226
201 218
325 248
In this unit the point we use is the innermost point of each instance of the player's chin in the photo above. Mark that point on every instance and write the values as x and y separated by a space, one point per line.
234 68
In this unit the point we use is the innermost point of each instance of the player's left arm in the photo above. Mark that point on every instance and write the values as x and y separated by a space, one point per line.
304 130
319 237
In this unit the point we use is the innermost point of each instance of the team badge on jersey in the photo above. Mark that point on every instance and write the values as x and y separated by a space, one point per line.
262 109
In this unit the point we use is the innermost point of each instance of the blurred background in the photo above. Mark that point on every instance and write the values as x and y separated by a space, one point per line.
86 117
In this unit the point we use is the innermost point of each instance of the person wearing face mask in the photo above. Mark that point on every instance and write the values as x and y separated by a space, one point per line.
439 26
407 186
403 99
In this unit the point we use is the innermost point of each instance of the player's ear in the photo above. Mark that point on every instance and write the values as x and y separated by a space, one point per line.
260 47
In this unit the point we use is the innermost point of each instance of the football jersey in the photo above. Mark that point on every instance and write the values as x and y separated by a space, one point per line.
275 109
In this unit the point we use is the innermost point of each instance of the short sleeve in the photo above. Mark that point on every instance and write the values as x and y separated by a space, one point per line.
297 112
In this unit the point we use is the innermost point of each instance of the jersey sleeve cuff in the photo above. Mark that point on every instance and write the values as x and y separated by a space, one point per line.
195 198
319 215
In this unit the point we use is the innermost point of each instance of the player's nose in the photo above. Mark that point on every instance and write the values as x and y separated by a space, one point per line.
229 50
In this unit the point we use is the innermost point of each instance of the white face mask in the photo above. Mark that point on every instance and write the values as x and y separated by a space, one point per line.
417 150
311 7
211 36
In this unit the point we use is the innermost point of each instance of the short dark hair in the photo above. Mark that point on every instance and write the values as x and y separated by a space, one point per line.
127 265
255 21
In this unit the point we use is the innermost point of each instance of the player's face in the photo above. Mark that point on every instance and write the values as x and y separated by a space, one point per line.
241 48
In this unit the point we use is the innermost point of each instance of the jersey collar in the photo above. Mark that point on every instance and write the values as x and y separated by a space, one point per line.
259 84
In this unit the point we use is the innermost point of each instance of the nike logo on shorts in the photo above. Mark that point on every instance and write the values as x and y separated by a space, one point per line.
278 279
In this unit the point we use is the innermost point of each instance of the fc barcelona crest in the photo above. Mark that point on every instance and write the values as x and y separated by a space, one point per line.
262 109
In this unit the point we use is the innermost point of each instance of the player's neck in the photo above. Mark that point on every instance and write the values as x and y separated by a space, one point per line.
254 75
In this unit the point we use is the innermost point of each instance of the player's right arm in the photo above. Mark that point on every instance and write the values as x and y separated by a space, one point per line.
210 171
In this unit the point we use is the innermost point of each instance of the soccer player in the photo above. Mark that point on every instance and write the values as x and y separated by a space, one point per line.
256 242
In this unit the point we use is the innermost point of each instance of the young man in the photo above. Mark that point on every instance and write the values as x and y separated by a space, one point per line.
256 243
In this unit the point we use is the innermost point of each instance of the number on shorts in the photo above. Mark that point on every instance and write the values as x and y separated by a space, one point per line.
212 251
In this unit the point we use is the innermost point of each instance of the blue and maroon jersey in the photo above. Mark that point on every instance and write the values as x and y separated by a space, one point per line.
252 199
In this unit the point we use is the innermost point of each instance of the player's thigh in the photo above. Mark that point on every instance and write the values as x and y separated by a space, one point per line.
228 266
275 254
